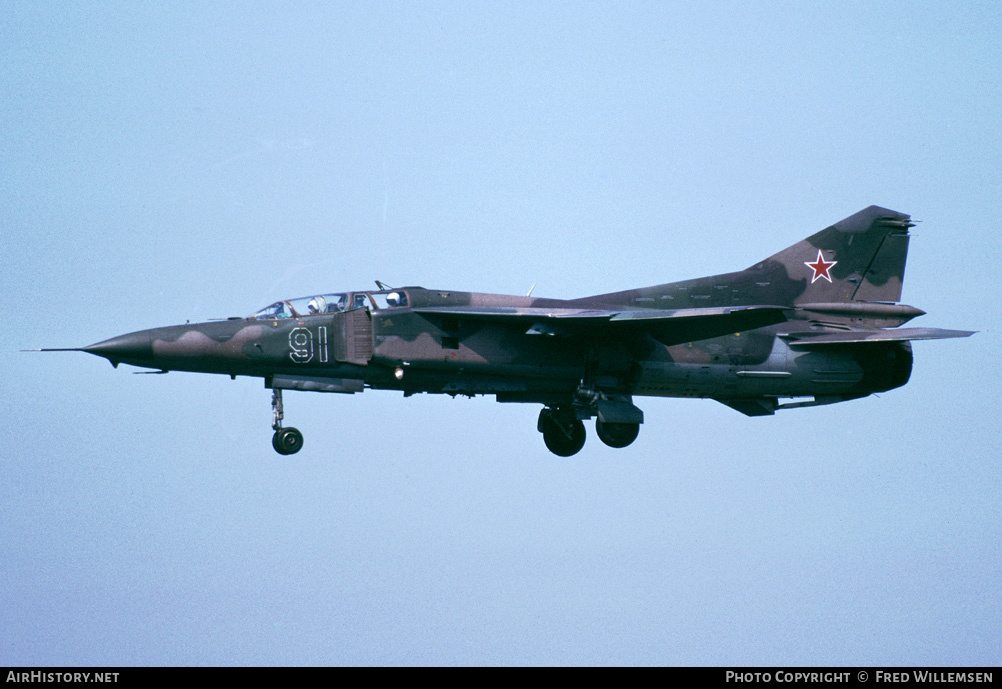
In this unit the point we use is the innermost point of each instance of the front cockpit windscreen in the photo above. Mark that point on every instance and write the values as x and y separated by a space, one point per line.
304 306
330 303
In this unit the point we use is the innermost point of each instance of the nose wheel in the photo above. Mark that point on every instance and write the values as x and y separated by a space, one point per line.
286 441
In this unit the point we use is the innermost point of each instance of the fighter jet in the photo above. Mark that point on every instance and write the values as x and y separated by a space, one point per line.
816 323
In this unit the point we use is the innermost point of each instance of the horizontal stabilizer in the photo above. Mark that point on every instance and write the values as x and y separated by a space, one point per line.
861 336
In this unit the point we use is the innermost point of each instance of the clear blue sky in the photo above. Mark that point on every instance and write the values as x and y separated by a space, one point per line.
161 162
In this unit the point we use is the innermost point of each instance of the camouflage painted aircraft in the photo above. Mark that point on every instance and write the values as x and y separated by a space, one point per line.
819 321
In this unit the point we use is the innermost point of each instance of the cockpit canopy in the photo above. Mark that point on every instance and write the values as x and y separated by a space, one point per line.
331 303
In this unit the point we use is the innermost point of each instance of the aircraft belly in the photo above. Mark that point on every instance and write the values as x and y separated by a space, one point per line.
697 372
485 351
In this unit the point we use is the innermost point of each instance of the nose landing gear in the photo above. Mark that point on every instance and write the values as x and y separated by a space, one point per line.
286 441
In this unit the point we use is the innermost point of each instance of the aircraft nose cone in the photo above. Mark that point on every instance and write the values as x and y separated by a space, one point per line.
130 347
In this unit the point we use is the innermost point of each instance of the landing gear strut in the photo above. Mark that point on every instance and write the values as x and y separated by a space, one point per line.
286 441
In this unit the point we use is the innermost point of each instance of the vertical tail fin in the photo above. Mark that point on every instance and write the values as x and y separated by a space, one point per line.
861 258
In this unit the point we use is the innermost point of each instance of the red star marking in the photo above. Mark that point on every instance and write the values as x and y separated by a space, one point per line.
820 268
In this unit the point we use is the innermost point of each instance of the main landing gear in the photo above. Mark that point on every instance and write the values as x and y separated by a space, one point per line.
617 423
563 433
616 434
286 441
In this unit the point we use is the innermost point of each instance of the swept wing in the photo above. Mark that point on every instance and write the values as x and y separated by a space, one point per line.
667 326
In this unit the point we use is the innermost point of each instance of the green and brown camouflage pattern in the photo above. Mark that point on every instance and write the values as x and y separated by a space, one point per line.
809 321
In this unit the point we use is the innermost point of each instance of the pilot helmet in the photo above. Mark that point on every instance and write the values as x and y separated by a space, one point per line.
317 305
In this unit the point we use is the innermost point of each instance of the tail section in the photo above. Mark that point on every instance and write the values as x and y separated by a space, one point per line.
861 258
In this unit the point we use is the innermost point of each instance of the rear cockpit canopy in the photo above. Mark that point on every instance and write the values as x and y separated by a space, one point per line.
321 304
